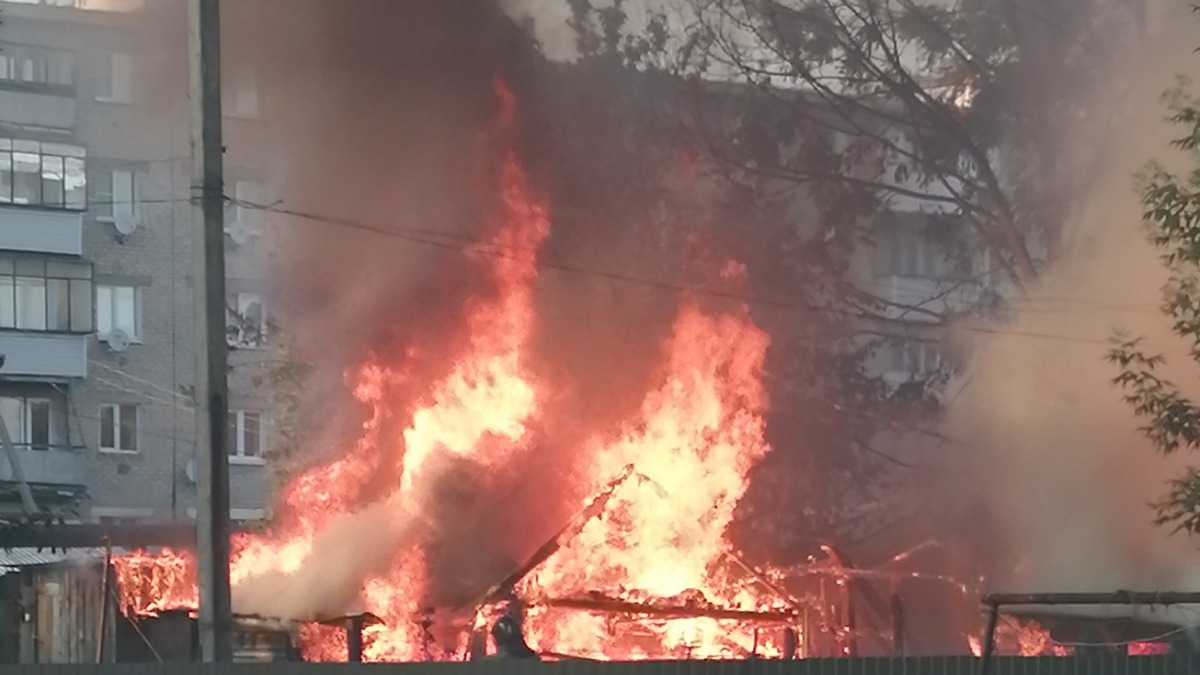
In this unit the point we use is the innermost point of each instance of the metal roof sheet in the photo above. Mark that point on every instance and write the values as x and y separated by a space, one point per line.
14 559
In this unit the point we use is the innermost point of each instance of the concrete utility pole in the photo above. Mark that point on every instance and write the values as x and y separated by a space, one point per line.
212 395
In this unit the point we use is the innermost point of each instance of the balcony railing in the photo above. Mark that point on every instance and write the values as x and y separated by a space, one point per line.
48 355
37 230
55 466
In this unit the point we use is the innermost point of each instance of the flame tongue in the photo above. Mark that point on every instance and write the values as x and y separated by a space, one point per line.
662 536
658 538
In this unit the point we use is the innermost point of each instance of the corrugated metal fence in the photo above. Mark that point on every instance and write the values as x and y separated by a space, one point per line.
1143 665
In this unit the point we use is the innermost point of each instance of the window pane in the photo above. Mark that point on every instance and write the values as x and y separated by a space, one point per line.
6 177
129 425
75 183
58 315
102 194
81 306
231 439
27 179
53 192
125 310
31 303
13 412
8 303
104 310
39 424
104 77
108 427
123 191
251 435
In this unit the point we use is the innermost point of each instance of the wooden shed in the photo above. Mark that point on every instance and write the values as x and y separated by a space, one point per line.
54 611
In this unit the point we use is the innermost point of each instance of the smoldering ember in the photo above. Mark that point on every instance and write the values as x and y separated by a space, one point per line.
622 330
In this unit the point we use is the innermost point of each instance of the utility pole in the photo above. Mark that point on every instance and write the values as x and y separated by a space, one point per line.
212 395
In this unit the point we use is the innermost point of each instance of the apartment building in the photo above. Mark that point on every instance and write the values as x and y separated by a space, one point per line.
96 309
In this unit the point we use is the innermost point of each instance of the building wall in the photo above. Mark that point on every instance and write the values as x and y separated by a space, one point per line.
149 135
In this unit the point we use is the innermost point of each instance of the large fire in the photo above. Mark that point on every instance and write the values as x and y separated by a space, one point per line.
644 572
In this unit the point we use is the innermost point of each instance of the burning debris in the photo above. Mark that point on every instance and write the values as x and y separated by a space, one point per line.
648 554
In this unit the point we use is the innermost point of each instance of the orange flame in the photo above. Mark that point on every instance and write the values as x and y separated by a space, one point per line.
660 539
1021 639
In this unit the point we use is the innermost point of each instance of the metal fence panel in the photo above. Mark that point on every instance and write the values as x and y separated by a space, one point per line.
951 665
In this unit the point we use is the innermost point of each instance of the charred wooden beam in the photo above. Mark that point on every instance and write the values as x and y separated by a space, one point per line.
618 606
569 531
1114 598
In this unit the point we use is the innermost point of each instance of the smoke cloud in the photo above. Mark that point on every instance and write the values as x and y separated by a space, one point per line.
1047 447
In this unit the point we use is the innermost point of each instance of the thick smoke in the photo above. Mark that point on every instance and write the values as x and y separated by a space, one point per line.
384 114
1047 447
381 116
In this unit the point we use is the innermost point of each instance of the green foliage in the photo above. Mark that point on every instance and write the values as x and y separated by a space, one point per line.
1172 215
284 375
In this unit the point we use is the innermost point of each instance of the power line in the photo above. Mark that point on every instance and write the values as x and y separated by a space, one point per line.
467 245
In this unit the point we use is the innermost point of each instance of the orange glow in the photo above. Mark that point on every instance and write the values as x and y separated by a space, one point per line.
659 541
662 535
1021 639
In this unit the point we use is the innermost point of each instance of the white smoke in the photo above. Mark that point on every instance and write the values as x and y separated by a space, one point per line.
1048 442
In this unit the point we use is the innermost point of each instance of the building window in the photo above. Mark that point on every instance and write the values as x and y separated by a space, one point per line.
33 423
119 308
51 175
115 196
246 320
907 246
119 428
114 78
243 96
24 64
916 357
41 295
246 218
246 436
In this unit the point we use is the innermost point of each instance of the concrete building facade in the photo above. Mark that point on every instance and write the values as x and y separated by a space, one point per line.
96 310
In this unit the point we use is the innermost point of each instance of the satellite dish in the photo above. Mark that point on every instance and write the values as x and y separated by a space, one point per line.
189 471
125 224
118 340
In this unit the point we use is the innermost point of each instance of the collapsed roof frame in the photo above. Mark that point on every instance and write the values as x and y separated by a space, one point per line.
994 601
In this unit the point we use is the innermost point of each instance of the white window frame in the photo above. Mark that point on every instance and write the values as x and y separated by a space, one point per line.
120 78
132 185
241 301
237 452
117 411
135 334
916 357
23 437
